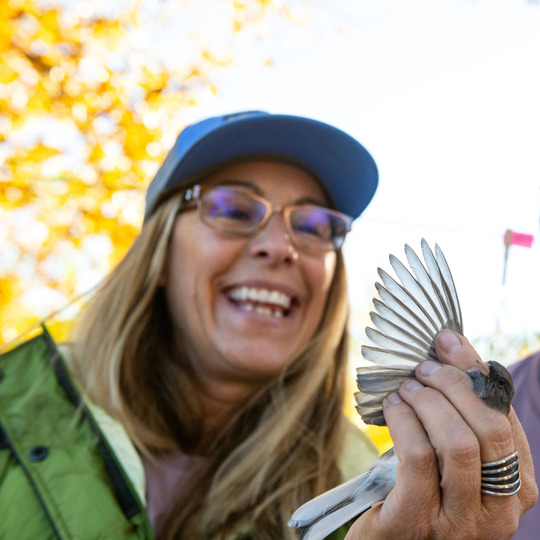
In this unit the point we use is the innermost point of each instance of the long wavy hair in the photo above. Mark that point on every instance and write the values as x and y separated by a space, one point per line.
283 446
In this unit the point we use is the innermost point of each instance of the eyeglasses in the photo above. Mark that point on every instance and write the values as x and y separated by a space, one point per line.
229 210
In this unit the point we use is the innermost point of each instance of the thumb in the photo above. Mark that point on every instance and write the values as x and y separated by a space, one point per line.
454 349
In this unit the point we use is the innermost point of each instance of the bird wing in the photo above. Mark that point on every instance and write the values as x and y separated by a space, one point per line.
408 314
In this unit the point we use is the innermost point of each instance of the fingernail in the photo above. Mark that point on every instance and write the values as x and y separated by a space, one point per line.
413 384
448 341
394 398
428 367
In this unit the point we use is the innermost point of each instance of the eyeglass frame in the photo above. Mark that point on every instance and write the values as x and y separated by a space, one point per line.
192 199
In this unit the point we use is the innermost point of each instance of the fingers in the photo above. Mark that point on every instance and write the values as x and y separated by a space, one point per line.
438 480
418 461
414 501
442 433
437 491
455 349
491 429
453 442
497 438
494 435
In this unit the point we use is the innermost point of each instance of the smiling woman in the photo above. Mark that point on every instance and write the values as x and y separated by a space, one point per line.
244 338
209 369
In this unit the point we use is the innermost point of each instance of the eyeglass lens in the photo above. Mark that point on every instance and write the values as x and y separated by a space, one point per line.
232 211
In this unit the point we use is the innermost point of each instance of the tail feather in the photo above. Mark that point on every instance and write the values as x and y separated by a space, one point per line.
324 514
327 503
321 516
325 525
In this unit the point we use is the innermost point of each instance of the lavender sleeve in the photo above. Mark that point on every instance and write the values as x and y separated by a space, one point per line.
526 403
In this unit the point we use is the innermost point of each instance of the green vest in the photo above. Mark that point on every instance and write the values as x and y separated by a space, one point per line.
59 476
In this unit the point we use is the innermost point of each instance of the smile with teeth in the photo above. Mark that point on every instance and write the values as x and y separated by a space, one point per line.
261 301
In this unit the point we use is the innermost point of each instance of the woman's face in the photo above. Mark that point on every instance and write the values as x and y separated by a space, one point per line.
243 307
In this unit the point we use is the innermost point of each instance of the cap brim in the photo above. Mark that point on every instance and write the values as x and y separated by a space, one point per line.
344 166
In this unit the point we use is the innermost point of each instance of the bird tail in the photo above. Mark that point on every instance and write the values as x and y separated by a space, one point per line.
324 514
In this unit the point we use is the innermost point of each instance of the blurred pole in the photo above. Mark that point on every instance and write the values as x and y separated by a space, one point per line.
507 244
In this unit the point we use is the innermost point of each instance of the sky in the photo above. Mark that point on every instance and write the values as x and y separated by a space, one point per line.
446 96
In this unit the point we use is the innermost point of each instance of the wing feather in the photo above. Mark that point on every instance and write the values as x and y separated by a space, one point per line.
407 317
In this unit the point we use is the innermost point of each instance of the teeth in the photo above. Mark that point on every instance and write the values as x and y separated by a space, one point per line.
260 295
275 298
252 299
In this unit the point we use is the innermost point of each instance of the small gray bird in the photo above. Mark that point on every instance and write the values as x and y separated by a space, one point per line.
408 317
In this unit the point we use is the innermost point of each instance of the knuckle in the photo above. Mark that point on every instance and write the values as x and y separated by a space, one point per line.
457 530
473 527
464 451
468 534
454 379
496 427
420 459
501 432
498 434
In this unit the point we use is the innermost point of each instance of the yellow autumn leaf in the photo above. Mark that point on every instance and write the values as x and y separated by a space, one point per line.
40 152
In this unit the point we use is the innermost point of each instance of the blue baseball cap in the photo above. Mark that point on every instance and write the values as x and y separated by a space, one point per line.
345 168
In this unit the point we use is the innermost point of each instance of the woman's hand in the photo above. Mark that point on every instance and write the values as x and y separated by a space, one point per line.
443 432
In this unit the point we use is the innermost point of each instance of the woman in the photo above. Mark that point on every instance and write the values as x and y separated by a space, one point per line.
218 347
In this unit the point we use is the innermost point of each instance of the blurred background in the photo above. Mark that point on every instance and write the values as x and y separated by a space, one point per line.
445 95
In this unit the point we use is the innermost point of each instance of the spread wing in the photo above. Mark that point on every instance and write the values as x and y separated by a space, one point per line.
409 313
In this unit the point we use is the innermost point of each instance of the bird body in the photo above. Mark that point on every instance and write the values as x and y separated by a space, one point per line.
408 316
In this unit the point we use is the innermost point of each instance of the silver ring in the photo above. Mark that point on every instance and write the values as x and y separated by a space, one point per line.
501 478
501 463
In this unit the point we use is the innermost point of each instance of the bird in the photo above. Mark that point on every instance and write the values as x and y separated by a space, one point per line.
408 315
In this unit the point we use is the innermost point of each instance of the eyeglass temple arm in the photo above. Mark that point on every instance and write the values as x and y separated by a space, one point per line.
190 196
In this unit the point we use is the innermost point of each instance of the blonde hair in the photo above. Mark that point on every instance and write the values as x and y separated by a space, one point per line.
277 452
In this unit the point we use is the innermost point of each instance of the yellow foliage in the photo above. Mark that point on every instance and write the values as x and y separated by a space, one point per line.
379 435
40 152
107 31
54 74
154 81
7 74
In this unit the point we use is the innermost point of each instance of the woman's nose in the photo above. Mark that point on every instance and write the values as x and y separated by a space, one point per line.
273 242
